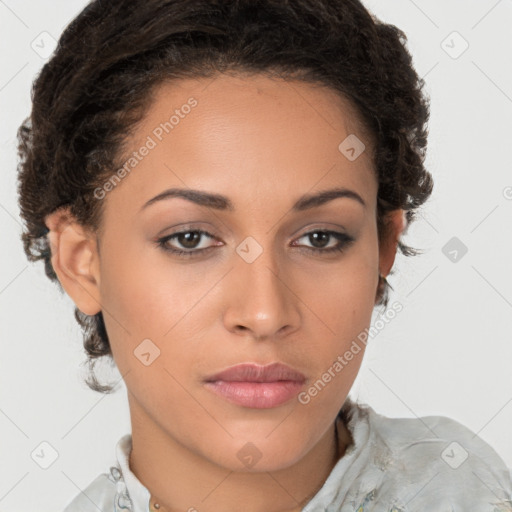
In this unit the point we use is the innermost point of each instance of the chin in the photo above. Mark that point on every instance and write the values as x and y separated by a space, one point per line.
255 456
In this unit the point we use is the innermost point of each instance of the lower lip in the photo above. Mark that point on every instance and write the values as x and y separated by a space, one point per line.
258 395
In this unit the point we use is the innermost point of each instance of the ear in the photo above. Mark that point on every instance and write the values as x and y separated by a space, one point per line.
75 259
395 225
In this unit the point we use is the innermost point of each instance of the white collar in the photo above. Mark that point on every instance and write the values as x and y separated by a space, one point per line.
131 494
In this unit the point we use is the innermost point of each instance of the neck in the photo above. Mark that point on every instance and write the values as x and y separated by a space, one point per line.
179 479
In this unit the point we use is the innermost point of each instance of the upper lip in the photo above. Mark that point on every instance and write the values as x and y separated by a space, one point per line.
251 372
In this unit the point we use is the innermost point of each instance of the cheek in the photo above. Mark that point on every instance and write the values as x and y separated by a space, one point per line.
147 294
342 294
335 346
145 289
340 300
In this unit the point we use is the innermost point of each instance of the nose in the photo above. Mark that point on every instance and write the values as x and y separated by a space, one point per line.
261 302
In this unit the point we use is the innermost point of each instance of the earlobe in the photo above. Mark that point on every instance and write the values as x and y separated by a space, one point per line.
396 223
75 260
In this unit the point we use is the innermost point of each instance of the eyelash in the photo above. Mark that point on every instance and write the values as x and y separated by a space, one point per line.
344 242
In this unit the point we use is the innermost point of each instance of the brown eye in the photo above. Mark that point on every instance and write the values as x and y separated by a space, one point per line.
186 239
320 240
189 241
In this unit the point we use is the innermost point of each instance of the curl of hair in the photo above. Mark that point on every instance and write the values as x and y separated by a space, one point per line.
98 83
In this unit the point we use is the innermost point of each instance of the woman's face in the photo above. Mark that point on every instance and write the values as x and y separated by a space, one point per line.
252 289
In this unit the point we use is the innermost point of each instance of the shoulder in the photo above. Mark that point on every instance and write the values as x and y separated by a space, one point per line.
98 495
436 461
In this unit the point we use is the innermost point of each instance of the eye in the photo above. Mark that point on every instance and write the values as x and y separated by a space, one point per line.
188 240
322 238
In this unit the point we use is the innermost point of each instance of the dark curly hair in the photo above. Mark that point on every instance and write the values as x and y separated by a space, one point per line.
99 82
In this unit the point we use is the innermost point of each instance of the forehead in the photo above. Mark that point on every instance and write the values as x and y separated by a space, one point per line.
246 136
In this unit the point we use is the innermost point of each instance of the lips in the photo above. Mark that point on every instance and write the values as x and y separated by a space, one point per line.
250 372
255 386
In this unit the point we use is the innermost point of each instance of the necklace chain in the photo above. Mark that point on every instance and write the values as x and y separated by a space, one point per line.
155 506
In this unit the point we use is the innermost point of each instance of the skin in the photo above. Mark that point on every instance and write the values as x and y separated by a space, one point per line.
263 143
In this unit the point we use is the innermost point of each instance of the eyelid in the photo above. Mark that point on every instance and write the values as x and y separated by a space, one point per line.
190 227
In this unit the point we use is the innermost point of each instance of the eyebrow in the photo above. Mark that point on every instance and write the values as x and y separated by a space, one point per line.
219 202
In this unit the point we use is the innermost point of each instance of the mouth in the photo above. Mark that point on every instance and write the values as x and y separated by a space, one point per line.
255 386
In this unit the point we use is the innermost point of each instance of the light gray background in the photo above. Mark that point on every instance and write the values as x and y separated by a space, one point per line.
449 351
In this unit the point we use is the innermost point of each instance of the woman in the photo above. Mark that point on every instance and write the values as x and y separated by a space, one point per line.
221 188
